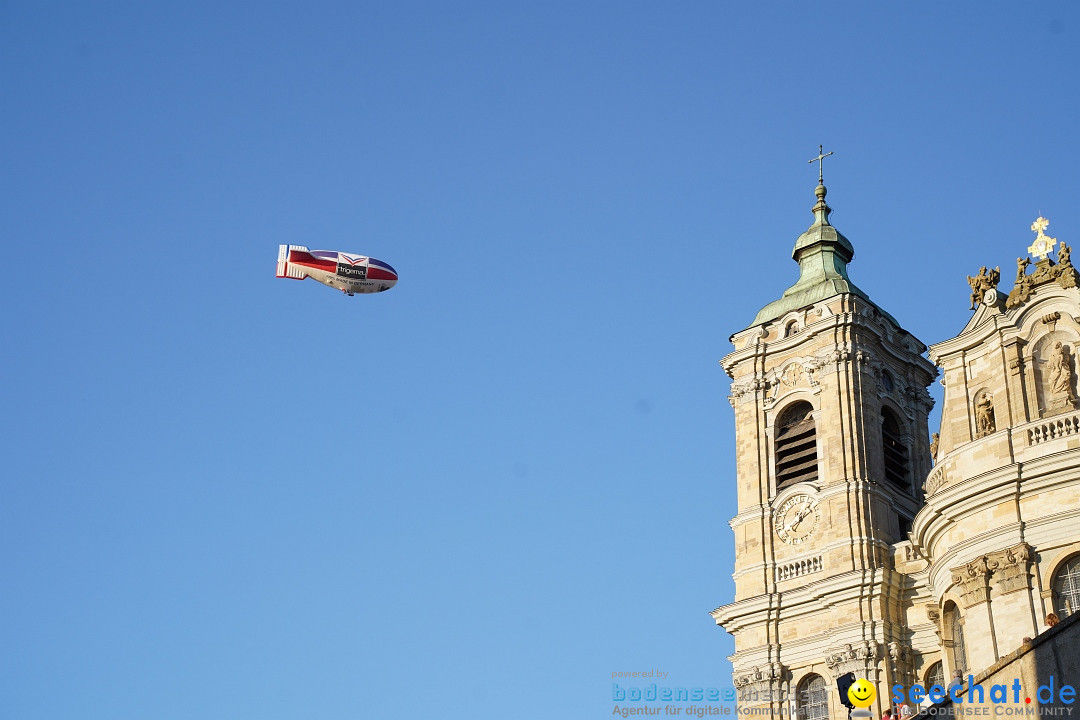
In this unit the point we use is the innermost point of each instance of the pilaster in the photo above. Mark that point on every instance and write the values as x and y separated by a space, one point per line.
973 581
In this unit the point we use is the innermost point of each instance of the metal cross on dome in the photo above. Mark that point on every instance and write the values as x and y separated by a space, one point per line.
818 159
1043 244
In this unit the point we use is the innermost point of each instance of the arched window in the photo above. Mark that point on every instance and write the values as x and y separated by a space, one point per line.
1066 585
954 631
791 328
935 675
813 699
796 446
895 452
887 381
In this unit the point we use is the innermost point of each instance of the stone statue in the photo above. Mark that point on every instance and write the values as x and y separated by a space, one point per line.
1066 273
1063 273
1021 268
1021 291
934 439
974 282
1060 374
982 282
984 415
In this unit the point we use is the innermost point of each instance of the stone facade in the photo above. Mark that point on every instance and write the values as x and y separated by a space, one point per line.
854 551
1049 660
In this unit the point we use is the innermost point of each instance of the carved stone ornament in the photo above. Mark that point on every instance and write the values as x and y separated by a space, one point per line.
1067 277
973 581
858 658
759 679
984 415
1059 380
900 662
743 387
933 614
984 286
1063 273
1021 269
935 440
1010 568
791 375
1007 569
935 480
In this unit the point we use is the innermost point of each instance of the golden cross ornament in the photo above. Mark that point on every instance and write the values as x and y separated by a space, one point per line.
1043 244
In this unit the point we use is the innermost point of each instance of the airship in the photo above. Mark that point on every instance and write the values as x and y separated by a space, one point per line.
348 272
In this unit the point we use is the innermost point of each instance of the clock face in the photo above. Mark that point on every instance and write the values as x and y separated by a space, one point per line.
796 519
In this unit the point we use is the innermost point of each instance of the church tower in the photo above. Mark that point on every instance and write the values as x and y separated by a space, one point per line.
832 448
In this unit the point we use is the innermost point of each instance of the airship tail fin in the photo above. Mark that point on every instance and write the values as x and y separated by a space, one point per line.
287 269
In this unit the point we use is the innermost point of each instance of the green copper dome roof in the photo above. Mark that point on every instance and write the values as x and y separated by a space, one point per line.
823 254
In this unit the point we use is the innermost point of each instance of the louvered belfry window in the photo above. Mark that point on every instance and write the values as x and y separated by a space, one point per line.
796 446
896 454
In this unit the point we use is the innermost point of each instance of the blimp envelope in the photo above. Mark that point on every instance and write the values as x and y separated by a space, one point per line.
347 272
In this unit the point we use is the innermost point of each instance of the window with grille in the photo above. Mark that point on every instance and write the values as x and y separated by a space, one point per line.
896 454
959 650
1066 586
813 699
796 446
935 675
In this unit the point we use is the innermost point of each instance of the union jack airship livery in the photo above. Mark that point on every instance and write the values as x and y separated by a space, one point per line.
347 272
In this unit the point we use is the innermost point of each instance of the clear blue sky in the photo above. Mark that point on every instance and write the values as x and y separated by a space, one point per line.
479 494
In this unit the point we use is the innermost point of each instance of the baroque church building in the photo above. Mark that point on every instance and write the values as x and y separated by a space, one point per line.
863 543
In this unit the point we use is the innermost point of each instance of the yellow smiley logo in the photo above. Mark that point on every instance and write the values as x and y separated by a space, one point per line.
861 693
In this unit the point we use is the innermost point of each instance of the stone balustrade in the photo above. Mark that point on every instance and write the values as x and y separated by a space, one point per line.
798 568
1053 428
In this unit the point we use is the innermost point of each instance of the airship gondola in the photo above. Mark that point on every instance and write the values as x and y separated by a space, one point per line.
348 272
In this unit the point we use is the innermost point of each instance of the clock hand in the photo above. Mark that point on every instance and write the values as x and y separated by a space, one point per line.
799 518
